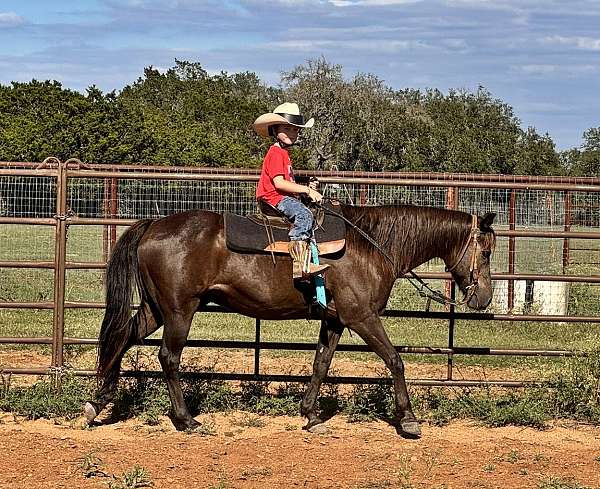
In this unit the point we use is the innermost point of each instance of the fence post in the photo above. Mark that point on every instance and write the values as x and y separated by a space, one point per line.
451 323
105 213
566 244
113 211
512 217
60 253
449 289
257 348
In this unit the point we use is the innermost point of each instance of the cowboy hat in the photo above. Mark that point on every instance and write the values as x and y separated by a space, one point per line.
286 113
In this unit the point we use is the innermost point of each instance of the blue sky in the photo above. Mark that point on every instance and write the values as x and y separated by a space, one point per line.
540 57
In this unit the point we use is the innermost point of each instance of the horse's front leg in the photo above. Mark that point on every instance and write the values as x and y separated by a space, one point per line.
329 338
371 331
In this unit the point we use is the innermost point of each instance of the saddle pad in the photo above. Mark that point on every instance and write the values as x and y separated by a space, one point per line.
244 234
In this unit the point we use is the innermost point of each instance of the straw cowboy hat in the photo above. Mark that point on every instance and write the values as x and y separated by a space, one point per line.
286 113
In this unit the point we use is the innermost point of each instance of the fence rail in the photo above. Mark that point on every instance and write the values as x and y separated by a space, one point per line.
547 213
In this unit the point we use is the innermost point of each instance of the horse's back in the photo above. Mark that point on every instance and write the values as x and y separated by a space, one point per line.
188 224
173 246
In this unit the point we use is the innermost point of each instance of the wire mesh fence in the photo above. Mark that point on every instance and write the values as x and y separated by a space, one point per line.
555 275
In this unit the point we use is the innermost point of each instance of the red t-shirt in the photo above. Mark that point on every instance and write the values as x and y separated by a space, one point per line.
277 162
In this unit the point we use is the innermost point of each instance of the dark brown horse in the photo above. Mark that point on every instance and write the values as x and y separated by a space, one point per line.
181 262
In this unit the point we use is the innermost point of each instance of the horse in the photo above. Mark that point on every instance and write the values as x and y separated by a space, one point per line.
180 263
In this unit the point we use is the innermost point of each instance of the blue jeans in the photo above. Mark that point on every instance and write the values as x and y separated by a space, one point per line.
301 217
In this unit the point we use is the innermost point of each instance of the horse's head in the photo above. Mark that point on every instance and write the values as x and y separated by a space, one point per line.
470 266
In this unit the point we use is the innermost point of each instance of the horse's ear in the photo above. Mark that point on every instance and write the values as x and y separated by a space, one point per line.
485 224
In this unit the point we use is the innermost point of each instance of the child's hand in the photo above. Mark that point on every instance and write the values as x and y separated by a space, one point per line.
314 195
313 183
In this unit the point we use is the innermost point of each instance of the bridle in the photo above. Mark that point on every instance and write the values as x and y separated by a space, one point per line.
472 241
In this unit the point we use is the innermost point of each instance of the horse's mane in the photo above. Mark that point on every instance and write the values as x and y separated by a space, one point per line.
408 233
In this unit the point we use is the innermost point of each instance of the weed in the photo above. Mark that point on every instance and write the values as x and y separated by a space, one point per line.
219 485
91 466
257 472
205 428
133 479
558 483
404 472
431 461
489 468
513 456
248 421
385 484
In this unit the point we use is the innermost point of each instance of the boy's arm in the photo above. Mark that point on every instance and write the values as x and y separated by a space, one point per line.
288 187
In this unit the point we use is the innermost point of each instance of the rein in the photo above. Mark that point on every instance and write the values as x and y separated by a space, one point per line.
423 288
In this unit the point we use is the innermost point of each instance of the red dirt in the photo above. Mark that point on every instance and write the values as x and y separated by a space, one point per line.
46 454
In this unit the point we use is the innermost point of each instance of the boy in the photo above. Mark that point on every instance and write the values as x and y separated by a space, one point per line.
277 186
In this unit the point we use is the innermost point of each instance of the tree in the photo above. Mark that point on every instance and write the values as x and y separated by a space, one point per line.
585 162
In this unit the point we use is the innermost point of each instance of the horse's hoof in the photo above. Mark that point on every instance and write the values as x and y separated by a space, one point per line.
319 429
187 425
410 429
312 422
89 412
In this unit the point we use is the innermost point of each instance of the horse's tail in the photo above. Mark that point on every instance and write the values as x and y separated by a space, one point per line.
122 274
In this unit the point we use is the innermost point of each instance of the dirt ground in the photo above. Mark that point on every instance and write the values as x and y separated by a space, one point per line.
240 454
242 450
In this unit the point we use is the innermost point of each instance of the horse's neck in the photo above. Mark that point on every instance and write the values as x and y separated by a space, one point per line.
427 243
411 236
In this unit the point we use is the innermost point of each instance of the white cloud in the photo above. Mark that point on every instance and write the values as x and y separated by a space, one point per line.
555 69
368 46
370 3
10 19
455 44
584 43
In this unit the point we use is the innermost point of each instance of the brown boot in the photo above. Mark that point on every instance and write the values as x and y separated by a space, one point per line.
302 263
297 253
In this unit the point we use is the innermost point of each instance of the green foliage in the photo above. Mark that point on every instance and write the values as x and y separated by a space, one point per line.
256 397
186 116
576 389
526 408
44 400
205 396
369 401
142 396
585 162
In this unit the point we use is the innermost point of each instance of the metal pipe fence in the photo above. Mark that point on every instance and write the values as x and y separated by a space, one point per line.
61 218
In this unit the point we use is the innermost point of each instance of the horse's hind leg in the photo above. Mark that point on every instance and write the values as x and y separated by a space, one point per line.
177 327
328 340
145 324
372 332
